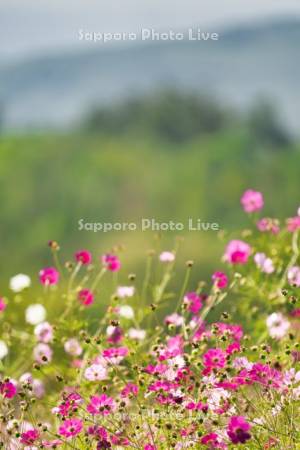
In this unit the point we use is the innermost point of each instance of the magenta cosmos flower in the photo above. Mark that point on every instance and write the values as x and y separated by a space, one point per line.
214 358
2 305
111 262
8 389
238 430
237 252
252 201
48 276
220 279
193 302
84 257
101 404
70 427
29 437
86 297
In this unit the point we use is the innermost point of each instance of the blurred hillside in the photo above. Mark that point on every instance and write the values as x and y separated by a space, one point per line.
245 63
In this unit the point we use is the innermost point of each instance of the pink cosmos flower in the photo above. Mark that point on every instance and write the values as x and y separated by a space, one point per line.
8 389
129 389
150 447
174 319
101 404
278 325
95 372
220 279
71 427
84 257
238 430
49 276
42 353
2 304
111 262
44 332
237 252
115 355
214 358
293 276
293 224
86 297
194 302
252 201
269 225
29 437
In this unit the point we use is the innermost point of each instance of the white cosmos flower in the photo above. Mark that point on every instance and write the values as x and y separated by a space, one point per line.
35 314
3 349
277 325
125 291
19 282
134 333
167 257
126 311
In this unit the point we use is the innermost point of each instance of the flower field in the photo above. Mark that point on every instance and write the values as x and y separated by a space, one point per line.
214 365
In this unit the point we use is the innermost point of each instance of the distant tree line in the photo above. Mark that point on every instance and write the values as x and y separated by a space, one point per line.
179 116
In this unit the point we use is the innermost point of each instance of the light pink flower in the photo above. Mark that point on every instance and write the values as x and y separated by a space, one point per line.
125 291
269 225
293 276
174 319
49 276
167 257
95 372
252 201
293 224
137 334
237 252
42 353
44 332
278 325
73 347
263 263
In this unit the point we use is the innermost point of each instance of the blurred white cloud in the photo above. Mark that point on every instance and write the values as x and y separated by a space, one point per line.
28 27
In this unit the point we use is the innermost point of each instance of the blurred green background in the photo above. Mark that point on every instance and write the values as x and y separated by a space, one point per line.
156 165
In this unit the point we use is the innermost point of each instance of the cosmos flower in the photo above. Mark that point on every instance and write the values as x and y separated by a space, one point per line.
252 201
84 257
19 282
237 252
35 314
49 276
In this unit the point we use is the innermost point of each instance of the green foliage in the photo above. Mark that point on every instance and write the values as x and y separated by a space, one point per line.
49 182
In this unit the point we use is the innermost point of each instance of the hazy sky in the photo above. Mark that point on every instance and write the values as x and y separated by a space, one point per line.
35 26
